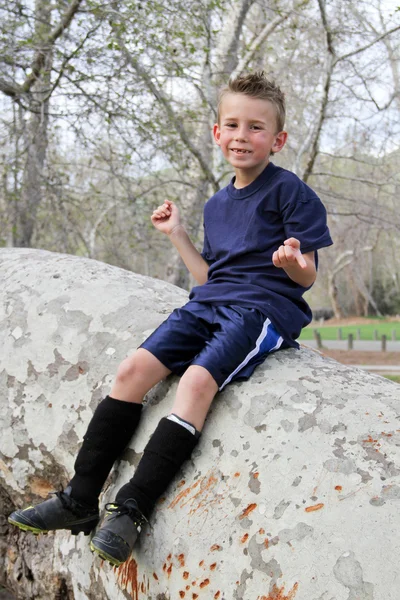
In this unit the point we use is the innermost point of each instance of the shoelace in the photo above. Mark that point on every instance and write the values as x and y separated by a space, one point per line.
69 503
66 501
123 509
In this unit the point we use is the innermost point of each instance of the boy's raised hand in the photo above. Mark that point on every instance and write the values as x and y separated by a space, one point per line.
288 255
166 217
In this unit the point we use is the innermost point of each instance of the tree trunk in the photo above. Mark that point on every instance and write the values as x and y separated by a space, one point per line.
333 295
36 139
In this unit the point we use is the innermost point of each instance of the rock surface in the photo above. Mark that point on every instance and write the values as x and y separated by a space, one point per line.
292 494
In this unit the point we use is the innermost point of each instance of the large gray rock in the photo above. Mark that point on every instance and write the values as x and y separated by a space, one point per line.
292 494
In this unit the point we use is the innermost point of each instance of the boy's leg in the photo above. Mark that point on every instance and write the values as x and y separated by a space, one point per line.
237 339
113 424
109 431
194 396
173 440
169 447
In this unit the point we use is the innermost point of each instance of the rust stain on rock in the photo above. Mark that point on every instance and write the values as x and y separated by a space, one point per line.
181 559
127 575
370 440
247 511
201 498
215 547
338 488
280 594
183 494
314 507
185 575
204 583
182 594
244 538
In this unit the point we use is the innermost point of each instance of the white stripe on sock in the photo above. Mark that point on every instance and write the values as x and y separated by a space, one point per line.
183 423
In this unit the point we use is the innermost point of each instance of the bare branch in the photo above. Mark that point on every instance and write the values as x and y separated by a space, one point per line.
363 48
229 53
263 35
350 178
40 56
329 66
158 93
328 32
13 90
68 58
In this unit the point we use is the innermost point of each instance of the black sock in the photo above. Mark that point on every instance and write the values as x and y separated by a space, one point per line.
168 448
107 436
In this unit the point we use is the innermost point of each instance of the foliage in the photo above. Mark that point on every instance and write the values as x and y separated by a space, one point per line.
124 106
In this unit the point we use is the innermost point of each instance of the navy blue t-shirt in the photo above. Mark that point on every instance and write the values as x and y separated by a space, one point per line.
243 228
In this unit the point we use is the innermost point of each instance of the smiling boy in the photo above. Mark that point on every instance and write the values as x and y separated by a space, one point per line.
261 236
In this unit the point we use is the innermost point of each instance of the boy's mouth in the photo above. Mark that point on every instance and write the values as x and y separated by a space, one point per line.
240 151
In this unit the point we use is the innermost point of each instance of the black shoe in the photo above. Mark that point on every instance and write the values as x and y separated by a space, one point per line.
59 512
118 532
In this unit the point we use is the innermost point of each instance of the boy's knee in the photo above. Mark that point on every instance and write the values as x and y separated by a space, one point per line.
129 368
199 381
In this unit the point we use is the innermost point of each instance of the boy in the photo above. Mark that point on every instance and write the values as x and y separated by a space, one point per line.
261 234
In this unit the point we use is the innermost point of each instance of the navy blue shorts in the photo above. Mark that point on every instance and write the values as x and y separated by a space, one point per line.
228 341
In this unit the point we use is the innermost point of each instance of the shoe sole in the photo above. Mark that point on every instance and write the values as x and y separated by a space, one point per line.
24 527
113 561
36 531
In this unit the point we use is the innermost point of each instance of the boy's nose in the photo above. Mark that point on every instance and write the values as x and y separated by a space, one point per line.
240 135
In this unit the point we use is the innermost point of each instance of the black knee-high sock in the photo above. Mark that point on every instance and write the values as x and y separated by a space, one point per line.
168 448
109 432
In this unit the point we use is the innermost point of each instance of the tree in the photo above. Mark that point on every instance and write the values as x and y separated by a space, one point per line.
136 96
25 77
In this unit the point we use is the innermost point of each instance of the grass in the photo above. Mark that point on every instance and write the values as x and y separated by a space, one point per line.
395 378
366 331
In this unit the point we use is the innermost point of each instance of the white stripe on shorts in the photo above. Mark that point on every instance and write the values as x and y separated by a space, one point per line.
260 339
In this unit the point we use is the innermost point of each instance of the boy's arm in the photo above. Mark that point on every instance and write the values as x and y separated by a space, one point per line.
167 220
299 267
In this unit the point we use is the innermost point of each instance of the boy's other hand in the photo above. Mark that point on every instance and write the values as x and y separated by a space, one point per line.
289 254
166 217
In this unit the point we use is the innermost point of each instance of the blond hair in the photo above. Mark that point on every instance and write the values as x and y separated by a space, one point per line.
256 85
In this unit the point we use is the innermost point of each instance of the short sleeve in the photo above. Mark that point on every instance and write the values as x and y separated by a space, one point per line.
304 218
206 252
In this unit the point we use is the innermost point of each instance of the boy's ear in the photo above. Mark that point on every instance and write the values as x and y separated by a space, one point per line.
280 141
217 133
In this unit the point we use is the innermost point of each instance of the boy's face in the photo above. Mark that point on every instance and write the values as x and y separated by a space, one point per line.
247 133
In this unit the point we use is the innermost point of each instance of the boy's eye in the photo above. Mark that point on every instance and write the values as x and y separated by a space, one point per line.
231 125
255 127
